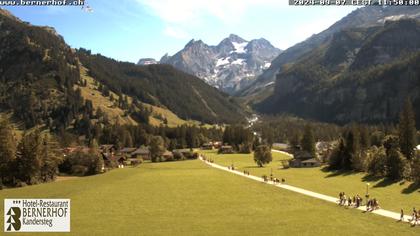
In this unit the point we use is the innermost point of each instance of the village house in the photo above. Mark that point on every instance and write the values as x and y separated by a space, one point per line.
217 144
184 152
126 152
142 152
207 146
303 159
167 155
226 149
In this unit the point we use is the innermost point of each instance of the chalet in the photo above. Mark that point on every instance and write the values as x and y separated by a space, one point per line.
127 151
207 146
168 155
217 144
143 153
184 151
313 162
303 159
226 150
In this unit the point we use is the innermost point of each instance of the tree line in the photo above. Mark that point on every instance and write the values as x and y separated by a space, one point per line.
393 155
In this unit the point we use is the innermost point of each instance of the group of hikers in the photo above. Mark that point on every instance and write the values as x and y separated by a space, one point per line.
205 159
357 201
415 217
272 179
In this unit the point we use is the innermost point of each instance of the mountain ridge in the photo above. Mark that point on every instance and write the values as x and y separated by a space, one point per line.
364 17
229 65
360 74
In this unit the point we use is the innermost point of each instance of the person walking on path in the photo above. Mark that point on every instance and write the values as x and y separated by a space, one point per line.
402 215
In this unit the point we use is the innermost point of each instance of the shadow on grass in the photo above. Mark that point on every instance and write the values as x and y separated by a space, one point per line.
252 167
385 183
335 173
371 178
411 188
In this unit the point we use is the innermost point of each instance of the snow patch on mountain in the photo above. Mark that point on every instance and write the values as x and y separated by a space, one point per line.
229 66
239 47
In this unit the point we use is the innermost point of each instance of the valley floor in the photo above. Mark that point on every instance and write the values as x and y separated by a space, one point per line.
391 195
191 198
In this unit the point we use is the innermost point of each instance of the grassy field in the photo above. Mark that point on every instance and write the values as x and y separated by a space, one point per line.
391 195
189 198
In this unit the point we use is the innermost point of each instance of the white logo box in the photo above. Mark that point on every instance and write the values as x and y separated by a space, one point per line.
36 215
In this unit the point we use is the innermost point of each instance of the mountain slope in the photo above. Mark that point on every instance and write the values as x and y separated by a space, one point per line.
37 74
365 17
229 66
362 74
162 85
43 82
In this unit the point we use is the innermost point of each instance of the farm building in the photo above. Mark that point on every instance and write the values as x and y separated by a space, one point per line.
167 155
207 146
226 149
304 159
143 153
127 151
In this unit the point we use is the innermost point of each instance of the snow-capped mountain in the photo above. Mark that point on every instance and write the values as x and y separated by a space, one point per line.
229 66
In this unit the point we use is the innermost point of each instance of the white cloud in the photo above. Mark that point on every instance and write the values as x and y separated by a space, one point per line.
176 32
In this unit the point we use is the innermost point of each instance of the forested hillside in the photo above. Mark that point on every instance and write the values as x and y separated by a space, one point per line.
37 74
41 84
162 85
360 75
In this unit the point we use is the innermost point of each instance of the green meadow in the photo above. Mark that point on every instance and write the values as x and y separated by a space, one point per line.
391 195
190 198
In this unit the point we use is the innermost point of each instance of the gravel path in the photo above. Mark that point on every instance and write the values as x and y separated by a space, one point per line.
381 212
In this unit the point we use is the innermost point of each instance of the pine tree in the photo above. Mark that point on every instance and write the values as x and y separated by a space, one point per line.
7 149
308 141
407 131
29 160
352 148
395 160
50 157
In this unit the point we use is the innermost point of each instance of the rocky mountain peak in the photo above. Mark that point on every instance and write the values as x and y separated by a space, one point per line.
229 66
236 39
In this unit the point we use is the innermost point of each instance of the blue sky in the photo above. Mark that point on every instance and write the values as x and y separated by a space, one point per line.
127 30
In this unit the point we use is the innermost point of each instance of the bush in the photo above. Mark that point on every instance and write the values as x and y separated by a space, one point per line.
82 164
79 170
20 184
178 156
